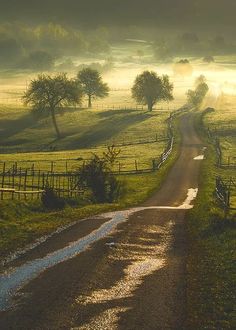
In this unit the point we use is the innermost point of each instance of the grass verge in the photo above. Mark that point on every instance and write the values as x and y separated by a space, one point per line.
211 266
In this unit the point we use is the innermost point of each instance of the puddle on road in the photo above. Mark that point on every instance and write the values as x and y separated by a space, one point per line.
200 157
146 263
12 281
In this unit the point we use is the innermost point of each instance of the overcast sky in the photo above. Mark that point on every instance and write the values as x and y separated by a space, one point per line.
119 12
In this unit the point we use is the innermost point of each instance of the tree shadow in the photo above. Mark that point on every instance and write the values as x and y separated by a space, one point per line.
10 127
104 130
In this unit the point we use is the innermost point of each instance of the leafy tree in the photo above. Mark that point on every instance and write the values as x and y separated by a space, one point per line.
92 85
196 97
48 94
149 89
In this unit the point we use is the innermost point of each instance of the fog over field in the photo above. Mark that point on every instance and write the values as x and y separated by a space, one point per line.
117 164
118 38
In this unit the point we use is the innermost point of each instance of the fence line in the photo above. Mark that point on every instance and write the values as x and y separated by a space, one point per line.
31 182
231 160
224 190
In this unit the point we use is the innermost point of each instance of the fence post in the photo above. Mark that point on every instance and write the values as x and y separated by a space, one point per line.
3 178
13 184
136 165
38 186
25 182
20 179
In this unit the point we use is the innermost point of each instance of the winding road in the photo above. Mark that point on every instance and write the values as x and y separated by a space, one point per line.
123 270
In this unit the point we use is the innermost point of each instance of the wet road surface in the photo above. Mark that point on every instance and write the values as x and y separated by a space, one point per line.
122 270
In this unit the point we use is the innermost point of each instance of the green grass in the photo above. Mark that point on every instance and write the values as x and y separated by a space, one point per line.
23 222
211 265
81 128
223 123
85 132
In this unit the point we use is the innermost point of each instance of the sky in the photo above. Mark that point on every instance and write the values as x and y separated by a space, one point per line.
172 13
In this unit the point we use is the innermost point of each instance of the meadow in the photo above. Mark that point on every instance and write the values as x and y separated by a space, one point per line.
140 136
30 141
223 124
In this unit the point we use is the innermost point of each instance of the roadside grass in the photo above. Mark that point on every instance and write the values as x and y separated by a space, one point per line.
21 222
222 122
211 263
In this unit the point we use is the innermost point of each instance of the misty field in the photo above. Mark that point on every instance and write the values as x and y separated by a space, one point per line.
223 124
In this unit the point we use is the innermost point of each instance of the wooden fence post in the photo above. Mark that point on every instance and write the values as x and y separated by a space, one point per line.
136 165
3 178
25 182
13 184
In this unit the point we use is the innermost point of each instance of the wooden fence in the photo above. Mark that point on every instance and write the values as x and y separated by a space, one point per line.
225 192
30 183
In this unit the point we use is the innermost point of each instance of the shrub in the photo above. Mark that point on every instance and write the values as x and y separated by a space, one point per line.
97 176
51 201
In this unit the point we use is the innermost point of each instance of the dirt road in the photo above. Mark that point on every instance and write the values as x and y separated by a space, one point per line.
129 278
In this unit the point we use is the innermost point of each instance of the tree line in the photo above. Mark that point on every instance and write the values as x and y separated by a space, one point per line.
47 94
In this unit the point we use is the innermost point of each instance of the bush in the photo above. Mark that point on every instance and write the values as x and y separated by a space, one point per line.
51 201
97 176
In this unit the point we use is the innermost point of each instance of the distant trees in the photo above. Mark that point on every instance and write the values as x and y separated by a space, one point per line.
18 41
48 94
196 97
92 85
149 88
208 59
183 68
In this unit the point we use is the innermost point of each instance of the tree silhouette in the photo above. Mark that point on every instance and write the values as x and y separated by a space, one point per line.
47 94
149 89
92 85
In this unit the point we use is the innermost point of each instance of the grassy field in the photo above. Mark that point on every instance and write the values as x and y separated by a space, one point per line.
86 131
211 266
223 124
81 128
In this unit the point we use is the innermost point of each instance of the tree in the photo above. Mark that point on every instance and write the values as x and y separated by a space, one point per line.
196 97
48 94
208 59
183 68
149 89
92 85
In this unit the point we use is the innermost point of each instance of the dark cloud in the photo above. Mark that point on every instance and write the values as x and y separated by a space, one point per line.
131 12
